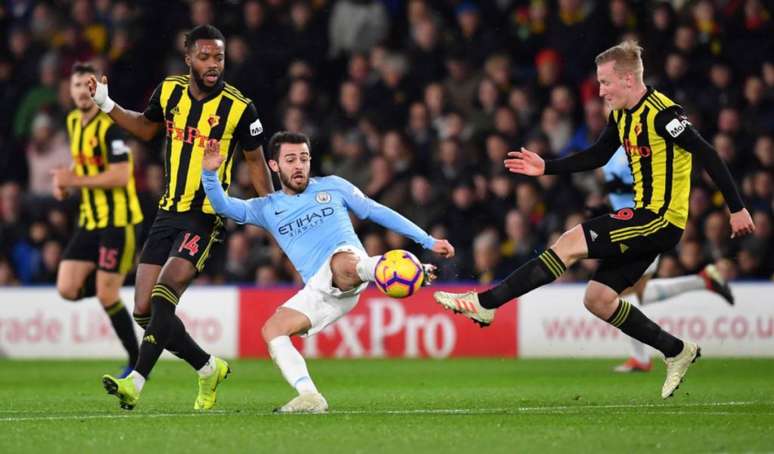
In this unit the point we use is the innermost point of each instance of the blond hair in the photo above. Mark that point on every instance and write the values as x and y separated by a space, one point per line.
627 57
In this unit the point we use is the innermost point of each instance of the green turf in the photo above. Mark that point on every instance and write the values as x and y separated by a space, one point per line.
406 406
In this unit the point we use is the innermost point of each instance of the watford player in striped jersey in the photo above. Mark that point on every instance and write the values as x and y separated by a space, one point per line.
192 110
661 146
103 248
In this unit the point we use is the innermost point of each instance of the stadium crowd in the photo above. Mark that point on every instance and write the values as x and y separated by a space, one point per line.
416 102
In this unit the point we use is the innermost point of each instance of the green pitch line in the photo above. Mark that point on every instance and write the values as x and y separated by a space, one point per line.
405 406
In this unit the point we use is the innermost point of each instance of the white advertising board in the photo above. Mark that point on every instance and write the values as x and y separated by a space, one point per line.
553 322
38 323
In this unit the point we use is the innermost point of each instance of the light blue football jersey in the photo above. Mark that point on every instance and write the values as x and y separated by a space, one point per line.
618 167
309 226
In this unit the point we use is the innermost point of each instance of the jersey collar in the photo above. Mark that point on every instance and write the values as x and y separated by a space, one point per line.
214 93
648 91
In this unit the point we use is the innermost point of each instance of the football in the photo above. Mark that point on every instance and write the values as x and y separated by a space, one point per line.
399 274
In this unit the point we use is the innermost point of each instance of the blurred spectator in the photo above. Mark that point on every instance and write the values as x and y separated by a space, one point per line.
47 150
487 260
40 97
356 26
461 83
426 207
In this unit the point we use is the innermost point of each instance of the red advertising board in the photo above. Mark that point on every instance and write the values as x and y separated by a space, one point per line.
384 327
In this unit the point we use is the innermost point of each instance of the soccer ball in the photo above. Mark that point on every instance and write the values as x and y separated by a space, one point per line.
399 274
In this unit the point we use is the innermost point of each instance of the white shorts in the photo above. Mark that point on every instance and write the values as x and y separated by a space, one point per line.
320 301
653 267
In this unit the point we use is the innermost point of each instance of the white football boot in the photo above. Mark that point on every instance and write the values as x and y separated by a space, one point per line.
305 403
466 304
677 366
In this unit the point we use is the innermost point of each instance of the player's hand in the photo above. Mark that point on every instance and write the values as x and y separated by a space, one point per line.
62 177
525 162
99 93
212 158
741 223
443 248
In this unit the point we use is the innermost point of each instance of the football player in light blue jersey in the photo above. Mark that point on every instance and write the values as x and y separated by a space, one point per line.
309 218
619 186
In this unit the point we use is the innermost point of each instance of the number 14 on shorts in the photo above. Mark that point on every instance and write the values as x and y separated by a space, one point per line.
190 243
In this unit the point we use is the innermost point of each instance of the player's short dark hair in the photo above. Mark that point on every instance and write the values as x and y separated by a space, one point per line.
202 32
80 67
281 137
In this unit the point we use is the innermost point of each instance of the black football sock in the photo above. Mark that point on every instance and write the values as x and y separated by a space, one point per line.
539 271
89 287
122 324
635 324
184 347
180 343
159 330
142 320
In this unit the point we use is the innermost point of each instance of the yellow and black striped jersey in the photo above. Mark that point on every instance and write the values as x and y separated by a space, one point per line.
94 146
660 144
660 166
225 115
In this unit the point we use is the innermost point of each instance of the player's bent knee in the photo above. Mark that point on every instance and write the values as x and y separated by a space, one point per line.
571 246
271 330
68 292
344 270
600 300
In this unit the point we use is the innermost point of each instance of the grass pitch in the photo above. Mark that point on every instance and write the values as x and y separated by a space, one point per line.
407 406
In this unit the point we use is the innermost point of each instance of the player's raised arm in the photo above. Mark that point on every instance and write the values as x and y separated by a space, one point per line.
236 209
365 208
526 162
139 124
673 125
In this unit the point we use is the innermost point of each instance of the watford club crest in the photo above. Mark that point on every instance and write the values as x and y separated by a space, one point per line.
213 120
93 142
637 129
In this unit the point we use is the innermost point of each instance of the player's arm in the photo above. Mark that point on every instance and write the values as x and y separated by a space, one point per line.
366 208
528 163
143 125
116 174
236 209
248 133
673 125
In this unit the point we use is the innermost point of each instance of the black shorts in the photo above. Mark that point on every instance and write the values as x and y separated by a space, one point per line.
627 242
190 235
111 248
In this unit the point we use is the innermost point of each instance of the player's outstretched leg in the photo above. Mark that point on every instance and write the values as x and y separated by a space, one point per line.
541 270
276 332
604 302
480 307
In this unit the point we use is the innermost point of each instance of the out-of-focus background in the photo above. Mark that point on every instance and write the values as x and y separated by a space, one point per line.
415 102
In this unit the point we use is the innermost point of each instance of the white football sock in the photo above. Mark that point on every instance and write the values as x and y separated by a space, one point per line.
137 379
291 364
208 368
661 289
366 268
637 349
